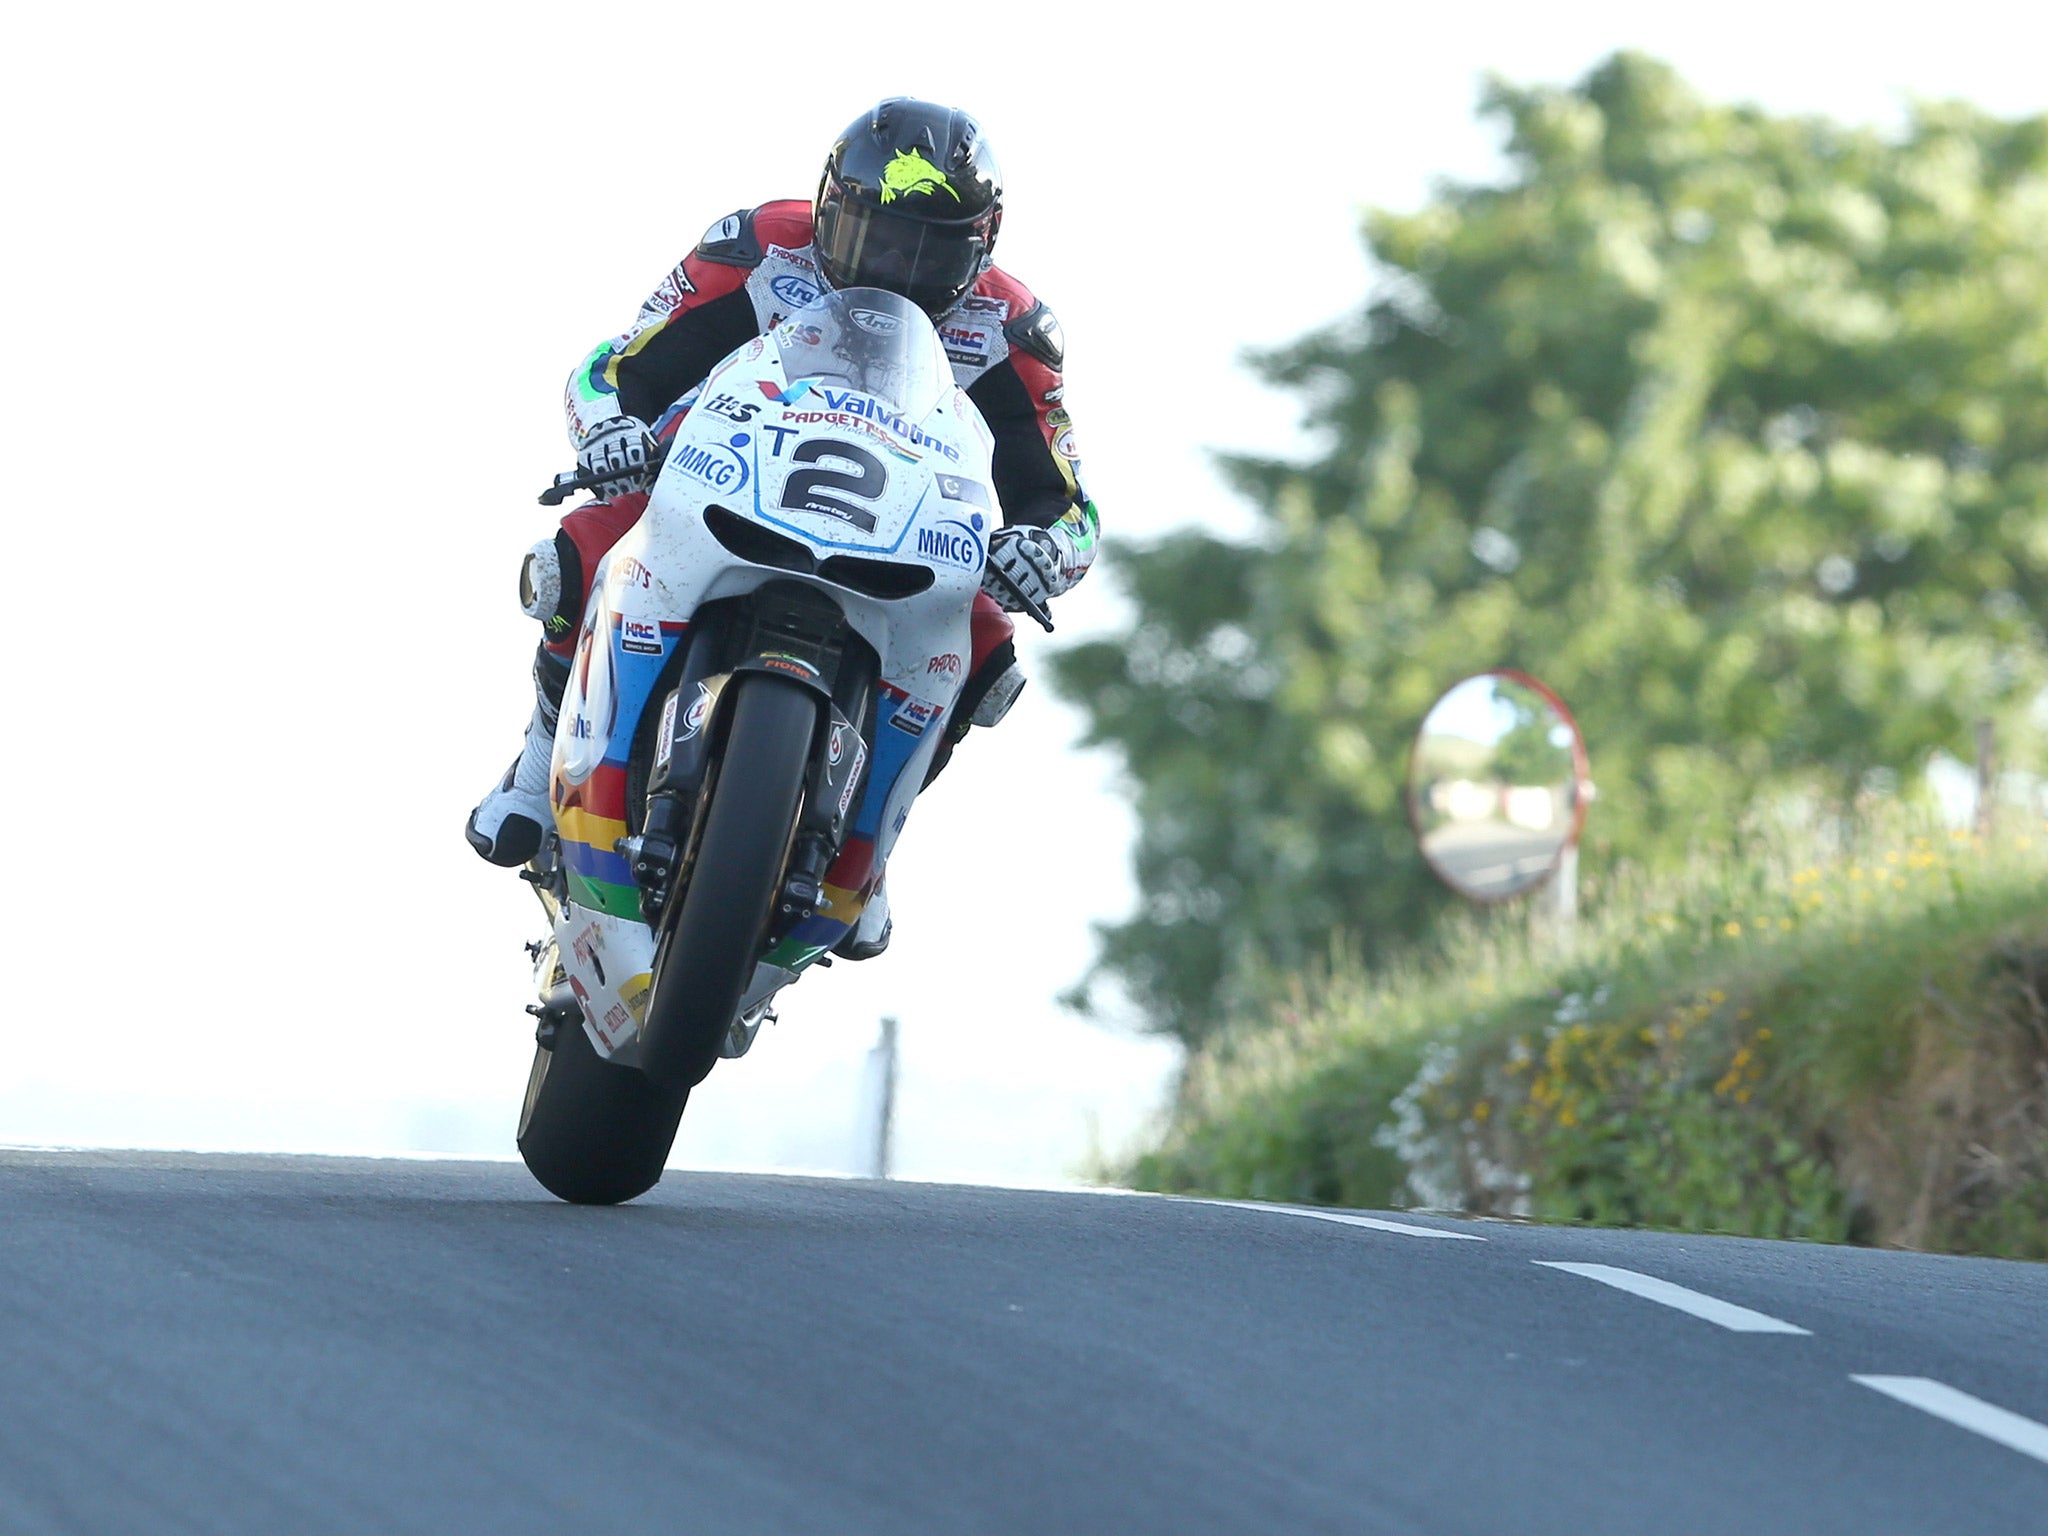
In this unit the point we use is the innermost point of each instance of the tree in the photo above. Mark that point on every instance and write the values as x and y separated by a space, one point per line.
1732 428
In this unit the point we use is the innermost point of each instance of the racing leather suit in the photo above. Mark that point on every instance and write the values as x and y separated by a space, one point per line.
749 272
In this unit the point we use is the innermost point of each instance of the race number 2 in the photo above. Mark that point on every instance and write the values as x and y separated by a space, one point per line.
814 488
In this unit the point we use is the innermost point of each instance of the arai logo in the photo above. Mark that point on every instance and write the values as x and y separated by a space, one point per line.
794 291
876 323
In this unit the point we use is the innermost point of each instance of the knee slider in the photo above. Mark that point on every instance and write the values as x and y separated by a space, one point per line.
544 582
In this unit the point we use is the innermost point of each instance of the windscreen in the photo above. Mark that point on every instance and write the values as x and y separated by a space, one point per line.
869 340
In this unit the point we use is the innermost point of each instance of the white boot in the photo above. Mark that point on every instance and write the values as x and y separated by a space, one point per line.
506 828
870 936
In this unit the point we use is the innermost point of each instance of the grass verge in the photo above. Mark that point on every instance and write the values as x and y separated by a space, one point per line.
1835 1038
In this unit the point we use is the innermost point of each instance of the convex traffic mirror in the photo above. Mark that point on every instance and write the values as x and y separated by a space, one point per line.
1497 785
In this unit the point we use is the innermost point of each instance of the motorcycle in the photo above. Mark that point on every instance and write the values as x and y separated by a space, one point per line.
766 667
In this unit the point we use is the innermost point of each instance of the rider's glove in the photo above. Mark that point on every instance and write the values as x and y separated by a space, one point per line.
618 447
1030 560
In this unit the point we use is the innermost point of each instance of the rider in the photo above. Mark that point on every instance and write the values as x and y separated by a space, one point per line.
910 201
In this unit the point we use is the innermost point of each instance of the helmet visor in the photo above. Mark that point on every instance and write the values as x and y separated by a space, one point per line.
931 265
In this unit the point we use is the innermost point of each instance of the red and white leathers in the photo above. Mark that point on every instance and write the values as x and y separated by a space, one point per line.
748 273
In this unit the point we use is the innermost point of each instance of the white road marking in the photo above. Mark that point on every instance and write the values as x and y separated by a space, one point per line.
1344 1218
1964 1411
1711 1308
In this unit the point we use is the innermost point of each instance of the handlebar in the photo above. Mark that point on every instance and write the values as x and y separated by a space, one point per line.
570 481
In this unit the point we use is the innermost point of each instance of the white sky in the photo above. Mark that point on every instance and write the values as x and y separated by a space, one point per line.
291 297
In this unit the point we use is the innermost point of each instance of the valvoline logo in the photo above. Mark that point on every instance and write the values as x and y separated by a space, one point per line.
789 396
952 542
713 464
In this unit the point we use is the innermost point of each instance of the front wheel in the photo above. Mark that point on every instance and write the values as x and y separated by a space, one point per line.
711 940
591 1132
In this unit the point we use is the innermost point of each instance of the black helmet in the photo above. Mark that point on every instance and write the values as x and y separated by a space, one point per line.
910 201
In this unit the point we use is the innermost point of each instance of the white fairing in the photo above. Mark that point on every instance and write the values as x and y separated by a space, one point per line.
778 436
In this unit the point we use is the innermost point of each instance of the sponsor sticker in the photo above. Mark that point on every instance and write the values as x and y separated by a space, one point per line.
951 542
727 228
860 757
794 291
725 405
876 323
835 749
1063 445
673 290
640 636
949 664
587 947
693 717
665 736
791 664
711 464
913 716
972 492
633 993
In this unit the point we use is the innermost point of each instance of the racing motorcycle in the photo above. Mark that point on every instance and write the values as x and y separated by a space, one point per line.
765 670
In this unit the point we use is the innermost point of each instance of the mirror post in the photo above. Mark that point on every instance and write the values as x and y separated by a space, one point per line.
1557 903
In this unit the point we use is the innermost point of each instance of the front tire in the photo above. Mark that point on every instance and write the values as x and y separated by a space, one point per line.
710 943
593 1133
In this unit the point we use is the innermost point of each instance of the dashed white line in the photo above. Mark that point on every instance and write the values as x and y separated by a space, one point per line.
1964 1411
1711 1308
1344 1218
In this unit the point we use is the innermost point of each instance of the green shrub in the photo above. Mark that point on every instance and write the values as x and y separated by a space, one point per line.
1838 1033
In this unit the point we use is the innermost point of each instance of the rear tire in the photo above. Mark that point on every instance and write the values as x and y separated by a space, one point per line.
711 941
593 1133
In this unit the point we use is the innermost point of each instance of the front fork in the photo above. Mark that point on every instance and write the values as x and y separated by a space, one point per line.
794 632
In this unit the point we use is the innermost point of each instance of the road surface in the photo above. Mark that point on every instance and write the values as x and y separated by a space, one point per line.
295 1345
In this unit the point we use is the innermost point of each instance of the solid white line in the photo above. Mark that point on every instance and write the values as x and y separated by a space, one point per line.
1711 1308
1964 1411
1346 1219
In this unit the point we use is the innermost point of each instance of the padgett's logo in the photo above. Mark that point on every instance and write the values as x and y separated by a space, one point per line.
910 172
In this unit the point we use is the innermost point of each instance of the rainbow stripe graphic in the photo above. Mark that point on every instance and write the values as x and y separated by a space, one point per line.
591 816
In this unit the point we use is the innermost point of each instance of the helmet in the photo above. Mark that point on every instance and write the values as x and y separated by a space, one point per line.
910 201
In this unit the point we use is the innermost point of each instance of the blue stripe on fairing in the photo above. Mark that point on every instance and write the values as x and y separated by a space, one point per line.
891 749
596 863
634 674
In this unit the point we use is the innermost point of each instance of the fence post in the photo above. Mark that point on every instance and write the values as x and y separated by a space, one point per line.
882 1066
1987 777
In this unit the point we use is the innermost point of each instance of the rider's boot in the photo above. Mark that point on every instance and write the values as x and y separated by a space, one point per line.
507 827
870 936
985 701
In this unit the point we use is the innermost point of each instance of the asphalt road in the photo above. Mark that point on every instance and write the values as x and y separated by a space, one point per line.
296 1346
1490 858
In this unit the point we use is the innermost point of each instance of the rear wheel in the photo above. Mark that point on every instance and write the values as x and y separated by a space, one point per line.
593 1133
712 938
